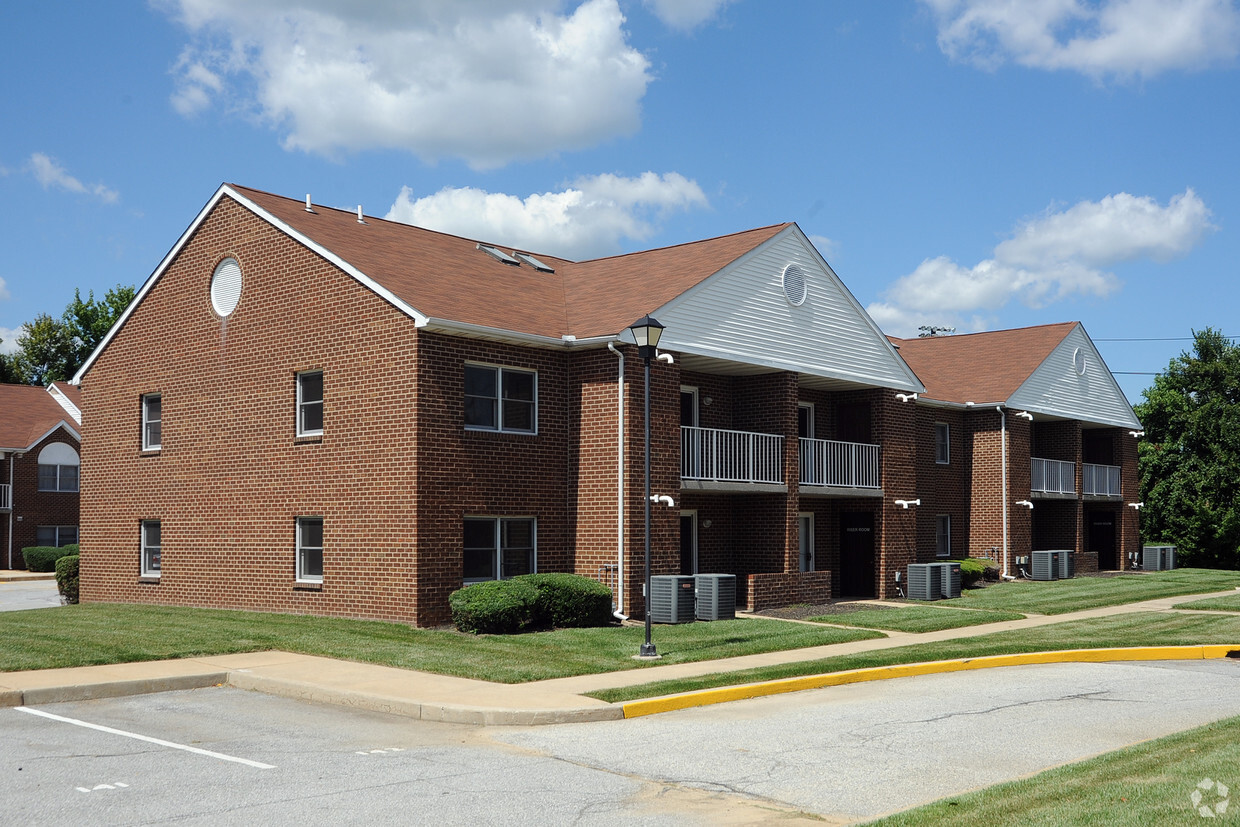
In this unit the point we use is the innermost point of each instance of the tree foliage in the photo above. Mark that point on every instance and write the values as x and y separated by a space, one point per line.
1190 456
50 349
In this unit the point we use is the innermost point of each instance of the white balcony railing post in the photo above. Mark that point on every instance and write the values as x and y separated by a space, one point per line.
6 497
840 464
1052 476
730 456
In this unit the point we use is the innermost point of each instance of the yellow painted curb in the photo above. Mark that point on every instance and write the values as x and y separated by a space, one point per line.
706 697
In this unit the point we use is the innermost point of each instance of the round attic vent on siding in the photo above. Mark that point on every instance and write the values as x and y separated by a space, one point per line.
226 287
795 284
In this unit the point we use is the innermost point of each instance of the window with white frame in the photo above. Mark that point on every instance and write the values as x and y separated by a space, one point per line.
942 443
501 399
58 468
151 548
497 548
152 422
805 420
56 536
310 549
943 535
310 403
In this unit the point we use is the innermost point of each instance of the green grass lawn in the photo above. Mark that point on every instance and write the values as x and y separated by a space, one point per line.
1060 596
916 618
1137 629
113 633
1217 604
1150 783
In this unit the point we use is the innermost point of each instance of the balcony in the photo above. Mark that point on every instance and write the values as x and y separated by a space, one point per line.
6 497
829 463
1052 476
731 460
1100 480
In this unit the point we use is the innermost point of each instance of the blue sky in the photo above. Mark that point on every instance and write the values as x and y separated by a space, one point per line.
976 163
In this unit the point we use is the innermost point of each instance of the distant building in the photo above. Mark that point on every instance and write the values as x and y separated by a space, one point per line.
308 411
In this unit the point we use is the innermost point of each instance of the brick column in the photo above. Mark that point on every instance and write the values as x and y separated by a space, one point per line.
897 541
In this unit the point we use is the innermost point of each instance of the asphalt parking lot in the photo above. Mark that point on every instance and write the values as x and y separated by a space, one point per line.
34 594
840 754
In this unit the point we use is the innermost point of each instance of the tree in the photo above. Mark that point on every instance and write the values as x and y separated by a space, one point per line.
1190 457
51 349
8 368
89 321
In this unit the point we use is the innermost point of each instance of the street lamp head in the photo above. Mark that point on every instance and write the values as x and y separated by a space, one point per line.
646 332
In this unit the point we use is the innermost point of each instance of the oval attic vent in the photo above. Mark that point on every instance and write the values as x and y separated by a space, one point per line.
226 286
794 284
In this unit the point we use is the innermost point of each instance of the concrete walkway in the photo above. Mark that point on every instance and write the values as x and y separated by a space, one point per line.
433 697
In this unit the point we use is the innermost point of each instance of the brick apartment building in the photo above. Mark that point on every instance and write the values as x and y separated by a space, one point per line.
308 410
39 459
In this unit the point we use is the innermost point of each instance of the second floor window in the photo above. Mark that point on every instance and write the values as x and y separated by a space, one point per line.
310 403
58 468
152 422
942 443
501 399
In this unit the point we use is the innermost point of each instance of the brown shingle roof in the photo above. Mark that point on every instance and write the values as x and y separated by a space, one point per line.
72 392
981 367
446 277
27 412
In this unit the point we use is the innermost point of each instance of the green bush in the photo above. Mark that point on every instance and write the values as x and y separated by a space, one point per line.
497 607
67 577
569 601
973 570
43 558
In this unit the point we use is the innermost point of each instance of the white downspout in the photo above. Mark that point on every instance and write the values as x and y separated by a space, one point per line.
12 457
619 488
1003 452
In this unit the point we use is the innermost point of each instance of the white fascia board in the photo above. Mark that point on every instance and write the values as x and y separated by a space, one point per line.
668 343
50 431
498 333
62 400
225 190
960 406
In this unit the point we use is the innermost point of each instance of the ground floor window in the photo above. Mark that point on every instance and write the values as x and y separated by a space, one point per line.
497 548
152 546
56 536
943 535
310 549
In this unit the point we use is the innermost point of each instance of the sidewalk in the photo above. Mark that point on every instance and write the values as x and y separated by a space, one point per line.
431 697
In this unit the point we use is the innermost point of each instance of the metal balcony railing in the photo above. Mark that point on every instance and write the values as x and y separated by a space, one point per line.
716 455
1052 476
1100 479
6 497
845 464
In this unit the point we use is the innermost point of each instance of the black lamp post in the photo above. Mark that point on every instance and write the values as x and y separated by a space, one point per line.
646 332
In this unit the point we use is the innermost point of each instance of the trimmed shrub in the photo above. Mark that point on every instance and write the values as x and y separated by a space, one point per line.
67 577
497 607
43 558
569 601
973 570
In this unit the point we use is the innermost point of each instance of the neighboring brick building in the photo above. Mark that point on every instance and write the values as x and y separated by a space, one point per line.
308 411
39 460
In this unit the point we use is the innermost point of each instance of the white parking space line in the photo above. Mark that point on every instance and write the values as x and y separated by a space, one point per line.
221 756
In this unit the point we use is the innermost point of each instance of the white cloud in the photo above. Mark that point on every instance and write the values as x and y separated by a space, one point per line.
826 247
685 14
488 81
1125 38
585 220
8 339
1048 258
51 174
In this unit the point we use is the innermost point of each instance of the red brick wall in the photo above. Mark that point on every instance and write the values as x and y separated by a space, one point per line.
31 507
942 488
896 543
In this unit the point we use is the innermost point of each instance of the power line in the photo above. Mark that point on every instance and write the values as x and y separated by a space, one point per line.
1135 373
1163 339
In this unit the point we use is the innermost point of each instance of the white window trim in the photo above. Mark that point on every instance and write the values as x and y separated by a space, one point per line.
301 402
809 406
499 399
301 576
499 540
947 443
158 446
144 548
813 556
697 404
938 522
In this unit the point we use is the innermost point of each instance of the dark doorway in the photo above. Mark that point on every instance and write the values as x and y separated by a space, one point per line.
688 543
857 554
1102 538
853 422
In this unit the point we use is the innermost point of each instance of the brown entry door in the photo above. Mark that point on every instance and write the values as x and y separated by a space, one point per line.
1102 538
857 554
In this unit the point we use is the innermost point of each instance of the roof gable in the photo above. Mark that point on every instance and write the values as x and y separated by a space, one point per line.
741 314
30 414
1074 382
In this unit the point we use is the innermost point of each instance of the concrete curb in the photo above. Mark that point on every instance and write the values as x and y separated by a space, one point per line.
706 697
35 696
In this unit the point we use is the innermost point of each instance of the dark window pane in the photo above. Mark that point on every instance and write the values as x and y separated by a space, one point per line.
312 417
804 428
312 533
518 561
154 408
68 478
480 412
152 433
518 533
518 385
152 533
68 535
479 381
480 534
312 562
479 564
688 409
518 416
311 387
45 535
47 477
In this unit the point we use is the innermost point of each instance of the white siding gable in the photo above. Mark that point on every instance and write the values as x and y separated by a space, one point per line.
742 315
1056 388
